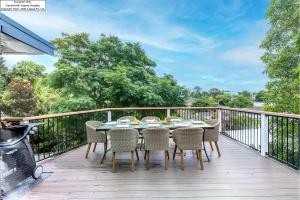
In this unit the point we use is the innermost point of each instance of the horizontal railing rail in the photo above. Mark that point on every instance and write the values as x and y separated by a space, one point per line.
272 134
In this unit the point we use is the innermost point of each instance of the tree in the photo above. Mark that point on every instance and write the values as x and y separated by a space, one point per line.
19 99
4 76
108 72
203 102
106 53
240 101
246 94
215 92
46 97
196 91
260 96
28 70
282 50
223 99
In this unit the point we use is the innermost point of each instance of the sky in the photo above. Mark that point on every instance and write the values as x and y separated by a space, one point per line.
211 44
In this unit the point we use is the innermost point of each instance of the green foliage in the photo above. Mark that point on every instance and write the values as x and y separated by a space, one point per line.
282 50
19 99
46 97
246 94
110 73
260 96
4 76
240 101
106 53
215 97
74 104
223 99
28 70
206 101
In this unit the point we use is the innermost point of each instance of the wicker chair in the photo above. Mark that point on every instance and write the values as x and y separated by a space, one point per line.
123 140
188 139
156 139
151 118
94 136
212 135
130 118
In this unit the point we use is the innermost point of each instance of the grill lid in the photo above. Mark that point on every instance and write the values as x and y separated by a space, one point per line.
11 134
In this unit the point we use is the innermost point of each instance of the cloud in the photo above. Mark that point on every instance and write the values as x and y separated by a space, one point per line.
145 27
44 22
244 55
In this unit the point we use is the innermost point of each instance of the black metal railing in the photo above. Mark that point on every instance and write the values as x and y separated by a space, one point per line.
59 134
284 139
242 126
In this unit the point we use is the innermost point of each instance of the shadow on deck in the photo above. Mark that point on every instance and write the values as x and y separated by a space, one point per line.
240 173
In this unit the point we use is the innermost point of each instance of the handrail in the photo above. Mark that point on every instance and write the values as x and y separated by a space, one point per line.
263 112
15 119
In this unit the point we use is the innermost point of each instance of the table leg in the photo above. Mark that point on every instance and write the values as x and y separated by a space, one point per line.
204 146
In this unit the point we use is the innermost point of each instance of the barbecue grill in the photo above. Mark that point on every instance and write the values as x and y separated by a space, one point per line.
17 161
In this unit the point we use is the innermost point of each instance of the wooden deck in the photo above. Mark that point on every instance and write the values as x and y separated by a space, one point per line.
240 173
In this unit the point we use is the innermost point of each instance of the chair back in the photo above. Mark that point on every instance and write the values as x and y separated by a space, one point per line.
92 134
123 139
130 118
151 119
188 138
211 122
156 138
212 134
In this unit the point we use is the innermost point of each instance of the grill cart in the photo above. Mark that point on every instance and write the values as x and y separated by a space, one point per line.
17 161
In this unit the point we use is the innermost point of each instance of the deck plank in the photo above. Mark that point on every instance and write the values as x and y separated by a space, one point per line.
241 173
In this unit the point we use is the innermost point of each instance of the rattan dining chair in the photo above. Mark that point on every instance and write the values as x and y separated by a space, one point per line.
94 136
212 135
188 139
123 140
156 139
150 119
130 118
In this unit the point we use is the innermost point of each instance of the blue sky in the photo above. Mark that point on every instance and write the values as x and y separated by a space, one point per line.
209 44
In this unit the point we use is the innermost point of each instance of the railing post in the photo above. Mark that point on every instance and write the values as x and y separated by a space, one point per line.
109 116
220 120
264 139
168 113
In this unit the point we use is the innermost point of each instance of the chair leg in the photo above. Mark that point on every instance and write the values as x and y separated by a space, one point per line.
142 141
211 146
218 149
181 160
95 146
166 160
174 151
147 159
137 155
88 149
104 154
145 155
132 161
114 162
197 154
201 160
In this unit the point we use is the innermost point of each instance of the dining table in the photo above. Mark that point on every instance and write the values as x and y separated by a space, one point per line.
162 124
